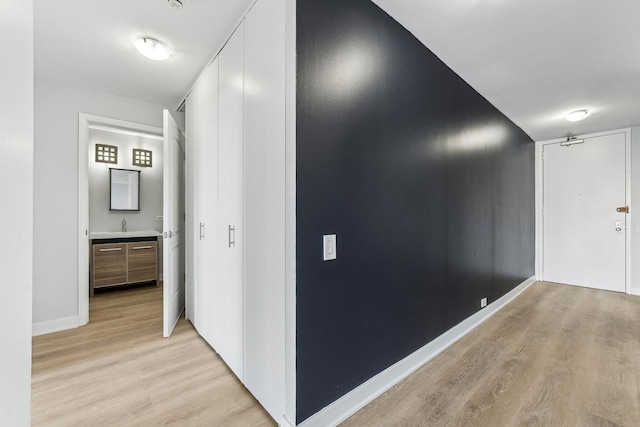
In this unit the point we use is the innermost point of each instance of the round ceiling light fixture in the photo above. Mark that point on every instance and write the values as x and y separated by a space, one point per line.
577 115
152 49
176 3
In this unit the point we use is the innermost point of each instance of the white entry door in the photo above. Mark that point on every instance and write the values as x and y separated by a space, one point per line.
173 225
584 239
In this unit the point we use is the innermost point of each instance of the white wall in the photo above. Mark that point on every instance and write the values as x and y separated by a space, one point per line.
100 217
635 210
16 190
55 274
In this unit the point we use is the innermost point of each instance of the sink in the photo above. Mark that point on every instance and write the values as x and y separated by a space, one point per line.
123 234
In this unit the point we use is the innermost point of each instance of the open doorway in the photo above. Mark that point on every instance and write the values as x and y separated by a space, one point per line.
125 215
122 209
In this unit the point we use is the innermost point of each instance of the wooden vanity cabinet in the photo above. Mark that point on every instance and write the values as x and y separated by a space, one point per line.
123 263
142 265
109 264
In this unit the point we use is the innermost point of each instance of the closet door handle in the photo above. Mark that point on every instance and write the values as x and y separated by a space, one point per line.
232 237
111 250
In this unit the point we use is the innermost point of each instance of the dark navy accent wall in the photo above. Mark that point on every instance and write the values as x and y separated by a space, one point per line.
429 188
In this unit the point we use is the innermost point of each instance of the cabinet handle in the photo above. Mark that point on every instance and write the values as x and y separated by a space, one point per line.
202 231
111 250
141 247
232 241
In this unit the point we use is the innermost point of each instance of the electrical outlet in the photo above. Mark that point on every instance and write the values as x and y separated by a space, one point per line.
483 303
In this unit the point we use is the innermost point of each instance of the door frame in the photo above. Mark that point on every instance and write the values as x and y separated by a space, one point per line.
539 183
85 121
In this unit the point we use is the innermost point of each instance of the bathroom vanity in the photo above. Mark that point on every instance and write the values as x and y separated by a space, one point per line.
123 258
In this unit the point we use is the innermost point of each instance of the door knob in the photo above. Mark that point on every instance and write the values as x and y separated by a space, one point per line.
623 209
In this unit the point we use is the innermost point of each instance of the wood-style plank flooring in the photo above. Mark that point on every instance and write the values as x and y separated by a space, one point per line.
557 355
119 371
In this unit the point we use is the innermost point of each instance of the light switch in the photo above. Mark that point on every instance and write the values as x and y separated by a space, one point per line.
329 247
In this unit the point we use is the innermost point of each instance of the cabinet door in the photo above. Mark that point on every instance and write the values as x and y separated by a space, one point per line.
142 265
109 264
230 195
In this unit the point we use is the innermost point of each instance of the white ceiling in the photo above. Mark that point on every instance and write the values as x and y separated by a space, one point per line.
535 60
90 43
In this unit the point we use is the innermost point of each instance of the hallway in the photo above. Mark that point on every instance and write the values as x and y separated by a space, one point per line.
119 371
557 355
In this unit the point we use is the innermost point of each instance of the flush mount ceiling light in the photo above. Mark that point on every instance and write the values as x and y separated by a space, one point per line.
578 115
176 3
152 49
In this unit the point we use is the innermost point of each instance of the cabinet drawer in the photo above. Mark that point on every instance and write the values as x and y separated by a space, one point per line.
142 261
109 264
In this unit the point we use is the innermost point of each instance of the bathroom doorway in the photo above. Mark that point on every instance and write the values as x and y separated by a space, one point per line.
121 186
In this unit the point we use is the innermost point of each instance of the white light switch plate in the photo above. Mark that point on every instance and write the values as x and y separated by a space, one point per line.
329 247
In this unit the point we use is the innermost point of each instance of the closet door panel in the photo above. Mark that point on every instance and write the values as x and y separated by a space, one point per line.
230 197
207 191
264 213
191 229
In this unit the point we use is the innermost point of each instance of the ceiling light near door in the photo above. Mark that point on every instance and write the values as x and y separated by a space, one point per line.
578 115
152 49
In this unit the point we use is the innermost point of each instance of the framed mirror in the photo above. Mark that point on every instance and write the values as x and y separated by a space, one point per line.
124 189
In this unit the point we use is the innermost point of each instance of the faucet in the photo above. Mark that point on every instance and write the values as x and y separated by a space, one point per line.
124 225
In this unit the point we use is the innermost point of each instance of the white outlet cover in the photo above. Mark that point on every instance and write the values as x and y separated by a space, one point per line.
329 247
483 303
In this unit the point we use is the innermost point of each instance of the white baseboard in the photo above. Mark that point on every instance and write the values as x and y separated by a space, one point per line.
357 398
284 422
57 325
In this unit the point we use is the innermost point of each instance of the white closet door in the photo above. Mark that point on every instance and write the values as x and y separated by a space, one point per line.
210 323
230 195
191 199
264 250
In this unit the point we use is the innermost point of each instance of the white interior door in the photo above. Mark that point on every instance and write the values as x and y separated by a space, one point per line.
230 196
584 235
173 225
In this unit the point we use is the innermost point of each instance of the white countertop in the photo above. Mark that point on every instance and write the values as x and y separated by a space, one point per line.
123 234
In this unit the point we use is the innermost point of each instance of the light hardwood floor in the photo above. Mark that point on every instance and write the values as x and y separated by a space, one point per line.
558 355
119 371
